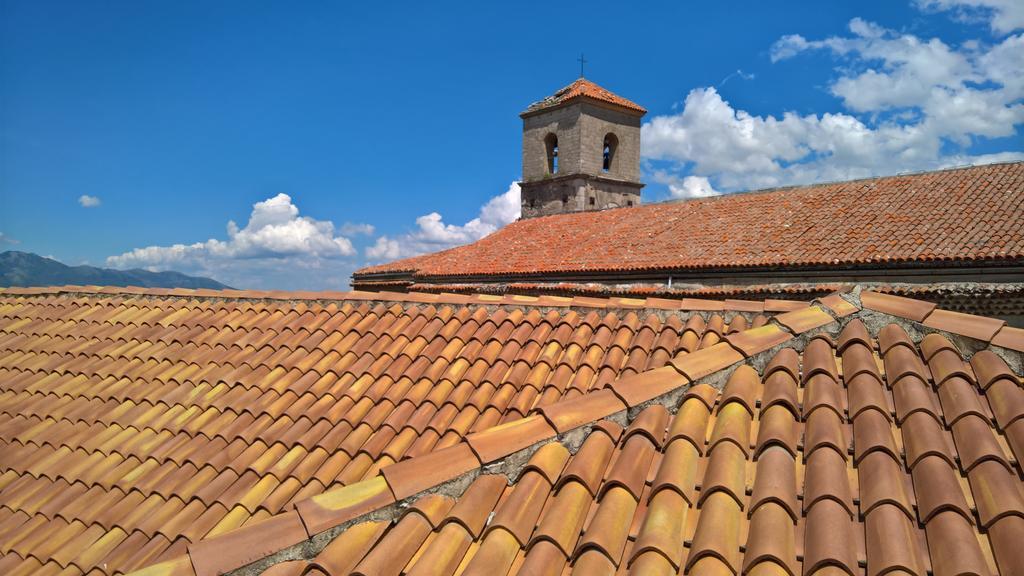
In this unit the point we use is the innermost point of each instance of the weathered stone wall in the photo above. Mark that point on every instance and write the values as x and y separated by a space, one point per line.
581 129
563 122
595 123
574 194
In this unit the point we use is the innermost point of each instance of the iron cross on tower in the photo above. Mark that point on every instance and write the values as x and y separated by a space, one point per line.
582 61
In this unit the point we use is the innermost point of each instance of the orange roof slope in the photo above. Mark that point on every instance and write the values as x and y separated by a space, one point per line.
973 215
133 425
865 454
582 88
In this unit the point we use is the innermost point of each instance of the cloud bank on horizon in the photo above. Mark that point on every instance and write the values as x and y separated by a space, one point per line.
279 248
276 246
906 104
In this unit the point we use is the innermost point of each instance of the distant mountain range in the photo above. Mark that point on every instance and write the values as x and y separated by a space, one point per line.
26 269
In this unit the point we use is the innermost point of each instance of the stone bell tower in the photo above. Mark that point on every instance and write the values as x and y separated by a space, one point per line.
581 151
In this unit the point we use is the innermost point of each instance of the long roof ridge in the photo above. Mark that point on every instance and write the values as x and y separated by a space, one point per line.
770 189
604 302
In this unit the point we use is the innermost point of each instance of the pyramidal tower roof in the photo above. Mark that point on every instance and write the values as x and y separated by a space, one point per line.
583 88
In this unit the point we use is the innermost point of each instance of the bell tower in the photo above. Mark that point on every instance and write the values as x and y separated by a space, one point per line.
581 151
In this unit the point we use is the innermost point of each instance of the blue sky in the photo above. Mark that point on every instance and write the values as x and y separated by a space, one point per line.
283 145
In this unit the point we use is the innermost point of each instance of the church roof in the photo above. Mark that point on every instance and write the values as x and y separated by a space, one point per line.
863 434
949 217
583 88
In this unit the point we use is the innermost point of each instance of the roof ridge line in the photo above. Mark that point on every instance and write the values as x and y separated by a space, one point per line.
992 331
610 302
770 189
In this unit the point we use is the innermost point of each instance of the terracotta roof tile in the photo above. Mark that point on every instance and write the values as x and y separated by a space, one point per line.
1010 337
838 305
897 305
757 340
938 489
582 89
631 465
804 319
639 388
1005 537
244 545
989 367
718 533
565 416
496 553
563 519
475 505
978 327
775 482
501 440
707 361
893 542
787 360
777 427
396 547
518 514
334 507
954 546
544 558
609 527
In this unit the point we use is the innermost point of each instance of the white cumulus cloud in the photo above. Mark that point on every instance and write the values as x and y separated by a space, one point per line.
908 104
1004 16
682 187
88 201
432 233
276 244
692 187
356 229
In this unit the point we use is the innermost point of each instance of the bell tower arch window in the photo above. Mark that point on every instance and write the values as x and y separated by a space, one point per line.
551 145
611 142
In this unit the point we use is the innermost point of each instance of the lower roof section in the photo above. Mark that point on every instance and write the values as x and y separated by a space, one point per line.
865 434
137 423
802 469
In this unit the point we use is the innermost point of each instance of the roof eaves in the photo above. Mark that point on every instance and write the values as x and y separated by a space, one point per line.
547 106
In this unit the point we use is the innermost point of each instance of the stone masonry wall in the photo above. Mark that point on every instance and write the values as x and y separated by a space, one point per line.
595 123
564 123
573 194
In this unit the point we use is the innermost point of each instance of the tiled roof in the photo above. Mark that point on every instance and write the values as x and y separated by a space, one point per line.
969 215
834 439
583 88
804 467
136 423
